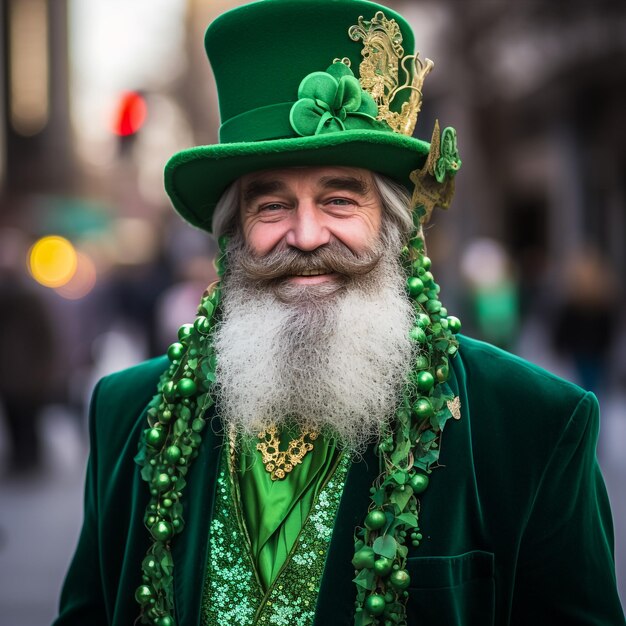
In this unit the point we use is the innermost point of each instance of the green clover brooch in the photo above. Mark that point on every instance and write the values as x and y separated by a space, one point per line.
333 101
449 161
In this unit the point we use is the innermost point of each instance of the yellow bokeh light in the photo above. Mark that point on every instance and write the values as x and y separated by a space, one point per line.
52 261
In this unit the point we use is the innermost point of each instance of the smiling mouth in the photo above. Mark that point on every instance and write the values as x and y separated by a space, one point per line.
311 277
313 273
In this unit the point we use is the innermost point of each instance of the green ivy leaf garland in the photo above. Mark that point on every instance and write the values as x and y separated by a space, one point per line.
176 419
406 454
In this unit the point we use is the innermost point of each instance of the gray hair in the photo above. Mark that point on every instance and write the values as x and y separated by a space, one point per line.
395 198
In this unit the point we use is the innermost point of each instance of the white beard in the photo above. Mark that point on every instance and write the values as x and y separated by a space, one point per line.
335 364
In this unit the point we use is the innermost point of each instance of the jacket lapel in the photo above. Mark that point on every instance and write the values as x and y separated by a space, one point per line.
335 604
190 548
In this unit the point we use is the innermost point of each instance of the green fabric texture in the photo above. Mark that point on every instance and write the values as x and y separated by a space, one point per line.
274 511
261 54
517 526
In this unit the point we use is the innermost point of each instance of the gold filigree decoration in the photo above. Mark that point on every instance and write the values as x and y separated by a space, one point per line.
345 61
454 407
280 462
381 68
428 192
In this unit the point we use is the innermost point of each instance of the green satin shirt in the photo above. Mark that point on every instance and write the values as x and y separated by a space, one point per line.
274 511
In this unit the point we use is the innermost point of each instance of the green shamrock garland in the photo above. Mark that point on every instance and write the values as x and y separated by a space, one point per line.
176 419
407 453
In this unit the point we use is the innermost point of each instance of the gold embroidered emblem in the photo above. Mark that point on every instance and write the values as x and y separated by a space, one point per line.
280 462
454 407
382 66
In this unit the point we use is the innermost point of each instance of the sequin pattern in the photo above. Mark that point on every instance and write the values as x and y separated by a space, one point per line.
232 594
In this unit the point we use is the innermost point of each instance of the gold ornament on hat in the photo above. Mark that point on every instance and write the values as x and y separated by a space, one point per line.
381 68
434 183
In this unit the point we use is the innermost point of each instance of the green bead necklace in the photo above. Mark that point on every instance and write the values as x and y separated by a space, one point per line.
407 453
176 419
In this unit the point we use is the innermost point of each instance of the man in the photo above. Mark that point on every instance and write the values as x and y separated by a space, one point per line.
284 466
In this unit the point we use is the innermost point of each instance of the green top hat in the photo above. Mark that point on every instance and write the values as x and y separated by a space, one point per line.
305 82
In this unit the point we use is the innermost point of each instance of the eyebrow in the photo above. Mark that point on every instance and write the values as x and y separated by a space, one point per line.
346 183
257 188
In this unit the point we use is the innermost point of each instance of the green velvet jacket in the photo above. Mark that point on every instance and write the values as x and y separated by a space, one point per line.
517 526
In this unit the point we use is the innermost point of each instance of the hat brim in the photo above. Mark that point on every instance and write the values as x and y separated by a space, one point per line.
196 178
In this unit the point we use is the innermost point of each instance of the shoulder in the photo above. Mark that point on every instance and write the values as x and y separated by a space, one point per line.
514 382
136 381
519 413
119 401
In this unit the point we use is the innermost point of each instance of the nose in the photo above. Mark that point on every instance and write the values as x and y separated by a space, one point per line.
308 230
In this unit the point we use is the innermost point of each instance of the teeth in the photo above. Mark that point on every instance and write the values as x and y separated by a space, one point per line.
312 273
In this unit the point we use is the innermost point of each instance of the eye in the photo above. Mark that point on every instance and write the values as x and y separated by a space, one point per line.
272 206
340 202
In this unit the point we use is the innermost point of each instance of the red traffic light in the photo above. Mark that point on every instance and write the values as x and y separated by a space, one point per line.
130 115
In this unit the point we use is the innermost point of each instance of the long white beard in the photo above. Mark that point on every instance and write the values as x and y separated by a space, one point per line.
335 364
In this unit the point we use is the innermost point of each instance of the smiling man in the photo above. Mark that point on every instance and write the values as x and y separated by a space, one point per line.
285 464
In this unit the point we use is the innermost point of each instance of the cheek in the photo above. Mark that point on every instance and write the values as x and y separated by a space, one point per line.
358 234
263 237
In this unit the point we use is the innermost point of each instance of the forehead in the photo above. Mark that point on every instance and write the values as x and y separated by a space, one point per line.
308 175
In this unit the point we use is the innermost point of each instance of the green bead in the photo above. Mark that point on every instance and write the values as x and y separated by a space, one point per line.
169 391
419 483
400 579
426 262
375 520
165 416
162 482
382 566
184 332
144 594
167 503
165 620
172 454
433 306
161 531
443 312
423 408
175 351
414 286
425 381
375 604
364 558
155 437
202 324
186 387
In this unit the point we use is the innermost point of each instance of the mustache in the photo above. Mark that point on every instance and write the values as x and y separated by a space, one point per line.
333 257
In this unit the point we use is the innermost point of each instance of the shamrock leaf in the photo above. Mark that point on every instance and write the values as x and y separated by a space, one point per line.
449 162
332 101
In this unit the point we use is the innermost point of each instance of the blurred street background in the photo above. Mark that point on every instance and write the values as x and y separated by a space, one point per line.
97 272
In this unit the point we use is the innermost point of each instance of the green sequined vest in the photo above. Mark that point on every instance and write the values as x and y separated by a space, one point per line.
233 594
